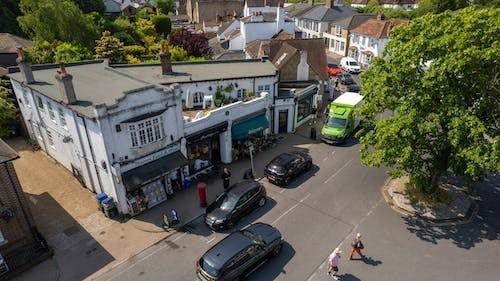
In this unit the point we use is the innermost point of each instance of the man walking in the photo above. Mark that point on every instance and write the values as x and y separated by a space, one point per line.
357 246
226 174
333 263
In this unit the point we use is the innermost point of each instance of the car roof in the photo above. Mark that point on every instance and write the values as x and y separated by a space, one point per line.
284 158
222 252
243 186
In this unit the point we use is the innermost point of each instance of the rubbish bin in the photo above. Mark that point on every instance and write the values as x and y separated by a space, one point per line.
109 207
100 197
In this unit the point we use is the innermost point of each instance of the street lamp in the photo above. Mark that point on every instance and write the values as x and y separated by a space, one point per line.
250 149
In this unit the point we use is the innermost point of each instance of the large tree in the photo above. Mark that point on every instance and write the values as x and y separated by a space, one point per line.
163 25
109 47
432 103
165 6
195 44
9 11
53 20
7 108
88 6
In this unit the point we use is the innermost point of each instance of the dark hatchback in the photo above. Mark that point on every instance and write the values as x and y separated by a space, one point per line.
239 253
282 169
345 79
239 200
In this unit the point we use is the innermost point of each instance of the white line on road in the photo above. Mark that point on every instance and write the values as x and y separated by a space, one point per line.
331 154
208 242
282 190
179 237
291 208
338 171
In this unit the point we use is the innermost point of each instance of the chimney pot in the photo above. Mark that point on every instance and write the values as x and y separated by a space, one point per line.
381 16
166 63
66 88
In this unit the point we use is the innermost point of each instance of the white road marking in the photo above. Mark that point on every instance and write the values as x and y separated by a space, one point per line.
282 190
338 171
291 208
208 242
312 276
179 237
331 154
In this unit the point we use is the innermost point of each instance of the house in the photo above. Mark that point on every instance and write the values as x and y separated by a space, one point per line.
302 75
139 133
314 21
394 4
8 48
263 6
337 35
125 7
199 11
21 245
368 40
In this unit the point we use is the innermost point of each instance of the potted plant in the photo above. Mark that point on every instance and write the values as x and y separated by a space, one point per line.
218 96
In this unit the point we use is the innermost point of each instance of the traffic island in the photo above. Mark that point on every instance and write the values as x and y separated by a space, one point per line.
458 208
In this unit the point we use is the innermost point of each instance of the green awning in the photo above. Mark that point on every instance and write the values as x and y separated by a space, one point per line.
250 126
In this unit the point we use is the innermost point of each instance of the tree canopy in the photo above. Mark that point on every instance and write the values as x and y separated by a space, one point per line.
165 6
53 20
88 6
195 44
9 11
109 47
7 108
162 24
432 103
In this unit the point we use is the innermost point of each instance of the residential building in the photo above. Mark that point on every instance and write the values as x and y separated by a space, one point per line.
133 131
369 39
125 7
337 36
314 21
21 245
8 48
302 70
394 4
263 6
199 11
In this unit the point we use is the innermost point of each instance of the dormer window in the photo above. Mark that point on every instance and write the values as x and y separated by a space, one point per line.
146 131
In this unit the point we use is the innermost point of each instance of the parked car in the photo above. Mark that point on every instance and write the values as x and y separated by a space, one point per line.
333 69
239 200
343 88
350 65
344 79
282 169
239 253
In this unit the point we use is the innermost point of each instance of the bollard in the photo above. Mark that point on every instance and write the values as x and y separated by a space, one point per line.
313 133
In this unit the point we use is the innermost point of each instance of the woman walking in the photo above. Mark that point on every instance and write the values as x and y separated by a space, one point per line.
333 263
357 246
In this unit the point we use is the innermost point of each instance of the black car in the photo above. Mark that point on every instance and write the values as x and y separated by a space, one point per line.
239 200
345 79
348 88
282 169
239 253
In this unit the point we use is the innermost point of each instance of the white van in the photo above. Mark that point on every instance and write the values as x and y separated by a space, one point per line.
350 65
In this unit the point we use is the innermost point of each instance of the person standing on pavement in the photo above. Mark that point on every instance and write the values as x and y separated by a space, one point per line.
333 263
226 174
357 246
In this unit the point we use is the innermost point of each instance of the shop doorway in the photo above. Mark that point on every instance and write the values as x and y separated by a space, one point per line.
283 121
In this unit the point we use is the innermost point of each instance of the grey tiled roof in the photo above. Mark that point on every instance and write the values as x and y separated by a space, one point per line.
323 13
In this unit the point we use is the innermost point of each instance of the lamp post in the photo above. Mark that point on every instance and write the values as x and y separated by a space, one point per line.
250 149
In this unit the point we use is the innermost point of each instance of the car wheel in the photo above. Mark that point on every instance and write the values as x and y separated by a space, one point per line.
262 201
285 182
276 251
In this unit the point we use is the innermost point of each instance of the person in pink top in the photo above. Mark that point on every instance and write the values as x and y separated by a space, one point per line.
333 263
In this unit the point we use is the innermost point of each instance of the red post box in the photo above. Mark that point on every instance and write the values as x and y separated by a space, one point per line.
202 193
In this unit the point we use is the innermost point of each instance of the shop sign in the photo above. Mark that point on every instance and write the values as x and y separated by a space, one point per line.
256 130
152 157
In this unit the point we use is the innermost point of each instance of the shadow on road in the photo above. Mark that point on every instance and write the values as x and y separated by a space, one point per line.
274 266
371 261
485 226
349 277
296 182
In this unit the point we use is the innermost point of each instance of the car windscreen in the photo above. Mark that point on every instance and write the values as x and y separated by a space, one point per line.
208 268
229 202
336 122
353 63
252 236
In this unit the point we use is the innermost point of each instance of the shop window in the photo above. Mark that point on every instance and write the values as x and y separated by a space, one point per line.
62 118
304 109
146 131
50 139
52 115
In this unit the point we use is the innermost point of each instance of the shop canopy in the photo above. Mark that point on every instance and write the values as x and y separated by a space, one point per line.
250 126
141 175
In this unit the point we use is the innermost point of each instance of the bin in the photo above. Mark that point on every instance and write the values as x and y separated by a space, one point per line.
100 197
109 207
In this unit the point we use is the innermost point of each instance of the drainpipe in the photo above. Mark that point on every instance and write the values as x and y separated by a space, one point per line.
84 154
92 154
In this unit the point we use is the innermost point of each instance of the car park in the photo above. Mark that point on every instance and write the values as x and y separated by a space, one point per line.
230 206
239 253
282 169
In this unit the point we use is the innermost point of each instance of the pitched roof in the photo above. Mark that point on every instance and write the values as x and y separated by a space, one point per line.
224 26
315 48
10 42
353 21
283 35
378 28
252 48
7 153
262 3
296 10
323 13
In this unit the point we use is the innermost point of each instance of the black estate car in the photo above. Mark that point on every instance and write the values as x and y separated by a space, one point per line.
239 253
282 169
345 79
240 199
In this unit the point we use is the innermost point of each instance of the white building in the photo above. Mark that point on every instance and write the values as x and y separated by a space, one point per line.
394 4
124 130
369 39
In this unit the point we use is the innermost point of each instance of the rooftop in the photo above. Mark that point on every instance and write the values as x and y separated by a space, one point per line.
7 153
10 42
378 28
322 13
353 21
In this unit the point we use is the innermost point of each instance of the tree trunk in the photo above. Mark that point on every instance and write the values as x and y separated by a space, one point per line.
439 168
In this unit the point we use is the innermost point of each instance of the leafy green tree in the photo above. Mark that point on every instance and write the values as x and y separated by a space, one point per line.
9 11
165 6
124 30
42 52
7 108
162 24
178 54
88 6
109 47
134 50
432 103
56 20
66 52
145 12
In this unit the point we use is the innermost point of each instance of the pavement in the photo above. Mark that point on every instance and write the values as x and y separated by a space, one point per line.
324 209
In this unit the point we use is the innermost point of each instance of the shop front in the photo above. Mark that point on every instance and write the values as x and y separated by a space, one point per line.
306 106
203 149
249 132
153 183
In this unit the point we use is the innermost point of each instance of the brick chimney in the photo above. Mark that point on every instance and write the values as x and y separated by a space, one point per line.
66 88
24 66
166 63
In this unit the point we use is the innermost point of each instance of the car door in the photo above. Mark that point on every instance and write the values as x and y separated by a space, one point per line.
237 265
253 198
241 207
296 166
256 254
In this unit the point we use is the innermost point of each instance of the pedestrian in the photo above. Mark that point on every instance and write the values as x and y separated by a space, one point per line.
226 174
357 246
333 263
